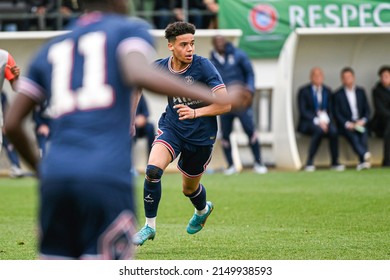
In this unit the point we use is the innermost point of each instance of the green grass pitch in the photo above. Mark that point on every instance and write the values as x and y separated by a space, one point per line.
276 216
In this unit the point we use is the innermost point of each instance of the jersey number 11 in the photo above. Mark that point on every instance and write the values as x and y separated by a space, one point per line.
94 93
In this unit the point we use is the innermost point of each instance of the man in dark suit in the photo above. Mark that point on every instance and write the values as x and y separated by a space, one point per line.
352 113
381 121
315 118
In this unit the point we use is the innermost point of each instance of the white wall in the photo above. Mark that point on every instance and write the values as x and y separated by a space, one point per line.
265 72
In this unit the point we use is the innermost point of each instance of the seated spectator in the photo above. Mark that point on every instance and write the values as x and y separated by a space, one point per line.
38 9
381 120
164 15
16 9
49 9
316 119
70 9
172 10
197 13
352 112
211 20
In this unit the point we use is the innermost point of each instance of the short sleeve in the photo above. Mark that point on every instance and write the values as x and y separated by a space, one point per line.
214 79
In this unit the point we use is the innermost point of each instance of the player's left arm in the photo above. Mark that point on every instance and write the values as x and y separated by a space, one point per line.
213 109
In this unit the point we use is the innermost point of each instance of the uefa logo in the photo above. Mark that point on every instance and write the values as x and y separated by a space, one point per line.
263 18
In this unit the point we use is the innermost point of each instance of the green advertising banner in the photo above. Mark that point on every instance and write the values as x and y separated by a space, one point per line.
266 24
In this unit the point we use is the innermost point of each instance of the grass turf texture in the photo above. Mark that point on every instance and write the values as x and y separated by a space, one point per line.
278 216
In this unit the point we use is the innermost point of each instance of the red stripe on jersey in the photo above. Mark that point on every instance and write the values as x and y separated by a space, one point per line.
218 87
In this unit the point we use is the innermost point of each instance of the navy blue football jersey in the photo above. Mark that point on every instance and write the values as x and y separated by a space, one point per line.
199 131
80 74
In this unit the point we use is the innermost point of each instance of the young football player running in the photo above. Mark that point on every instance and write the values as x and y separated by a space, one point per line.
188 128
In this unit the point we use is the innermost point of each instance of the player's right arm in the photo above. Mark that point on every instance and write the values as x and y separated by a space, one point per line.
140 73
212 109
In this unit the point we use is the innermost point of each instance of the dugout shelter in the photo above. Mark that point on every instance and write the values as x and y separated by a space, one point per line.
363 49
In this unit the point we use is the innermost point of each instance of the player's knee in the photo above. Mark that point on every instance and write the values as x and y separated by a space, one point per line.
188 191
153 173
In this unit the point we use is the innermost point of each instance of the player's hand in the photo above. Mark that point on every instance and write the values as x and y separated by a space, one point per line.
15 70
239 96
44 130
350 126
185 112
360 122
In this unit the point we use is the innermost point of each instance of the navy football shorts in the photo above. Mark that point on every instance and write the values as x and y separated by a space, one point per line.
86 220
193 159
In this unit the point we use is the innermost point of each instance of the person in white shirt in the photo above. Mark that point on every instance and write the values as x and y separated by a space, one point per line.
352 112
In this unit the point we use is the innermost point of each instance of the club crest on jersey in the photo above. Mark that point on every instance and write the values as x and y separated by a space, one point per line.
189 80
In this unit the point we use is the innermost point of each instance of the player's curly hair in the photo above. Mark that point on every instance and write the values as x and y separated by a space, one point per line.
178 28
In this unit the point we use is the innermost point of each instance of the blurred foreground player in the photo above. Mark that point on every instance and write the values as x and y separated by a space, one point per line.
86 194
